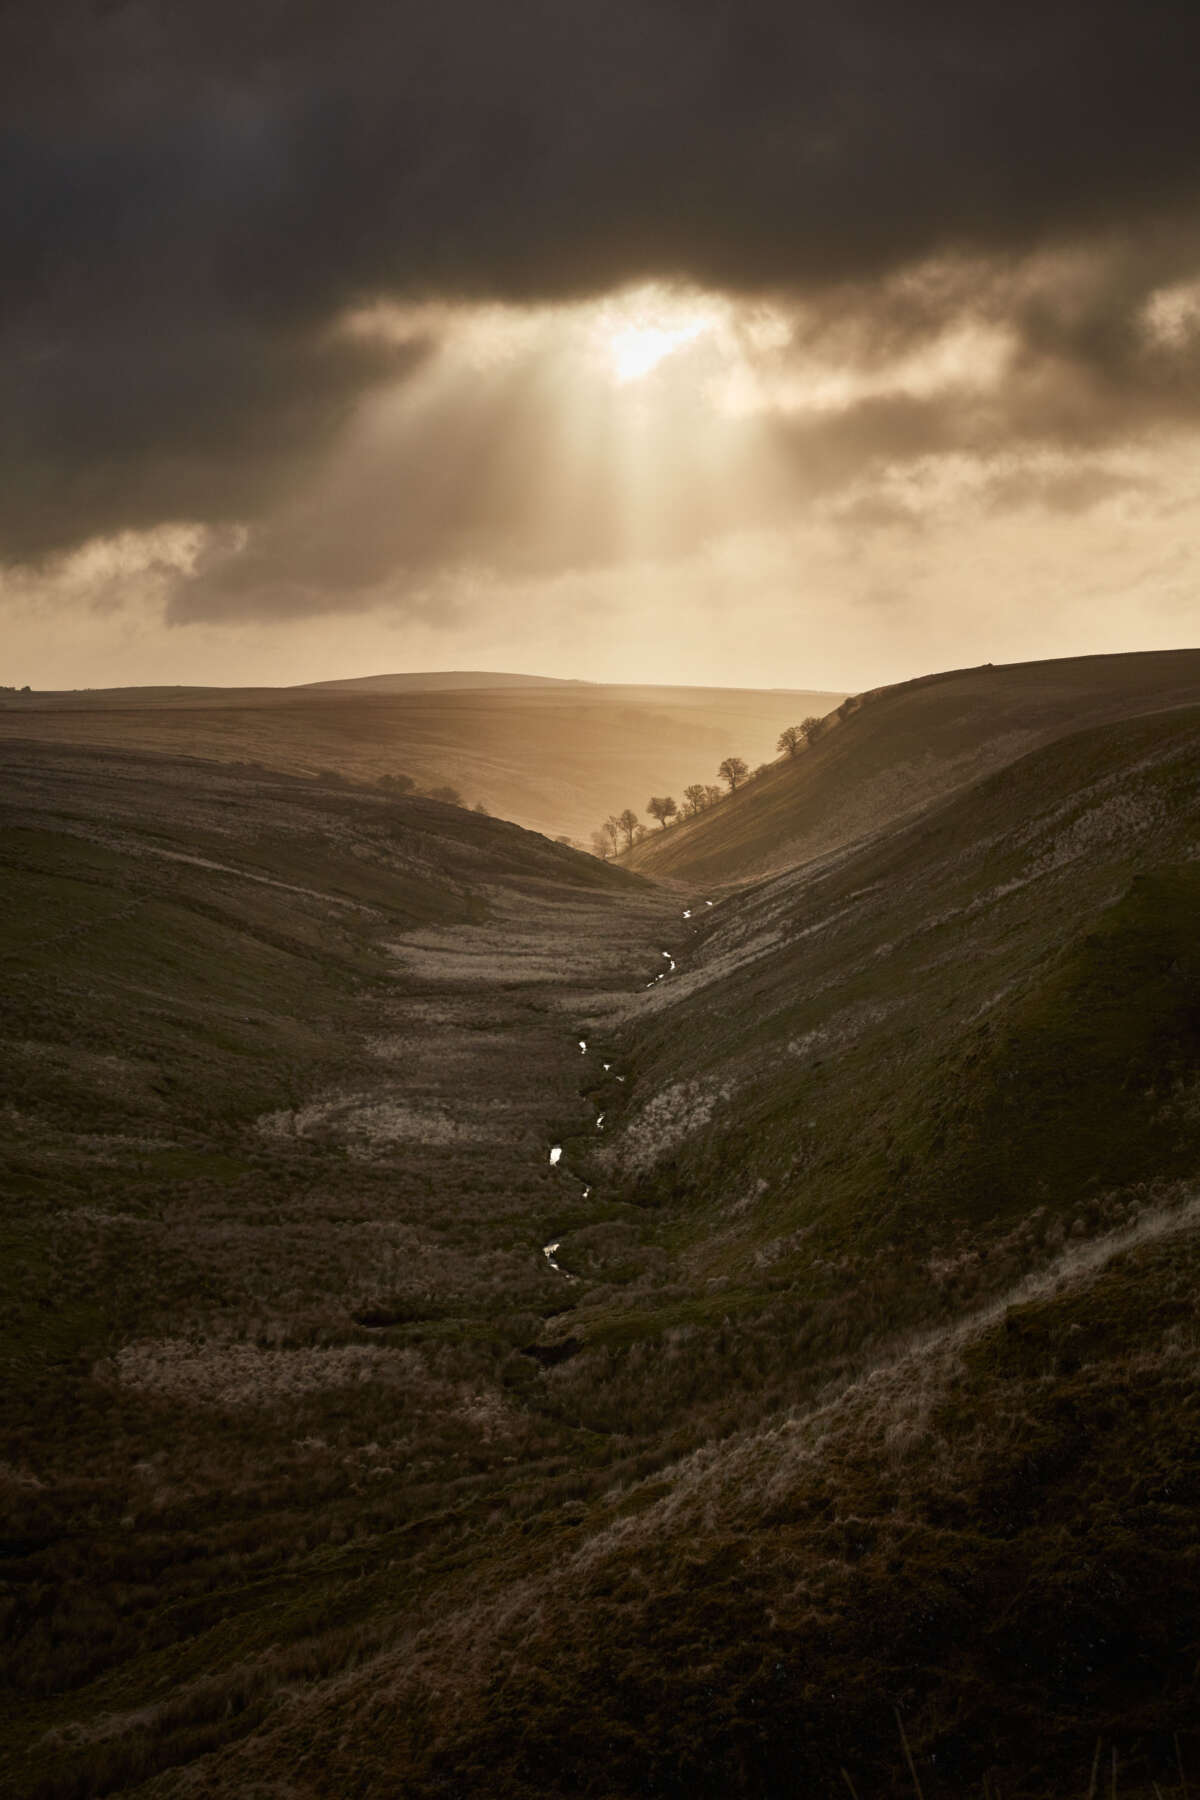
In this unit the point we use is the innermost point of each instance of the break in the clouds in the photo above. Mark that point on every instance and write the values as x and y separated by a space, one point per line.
450 316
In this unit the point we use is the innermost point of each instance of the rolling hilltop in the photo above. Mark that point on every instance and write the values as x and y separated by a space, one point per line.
557 757
440 680
482 1322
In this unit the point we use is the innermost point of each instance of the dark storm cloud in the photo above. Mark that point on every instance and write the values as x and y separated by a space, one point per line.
188 196
127 428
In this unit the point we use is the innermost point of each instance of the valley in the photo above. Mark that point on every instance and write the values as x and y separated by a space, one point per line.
827 1401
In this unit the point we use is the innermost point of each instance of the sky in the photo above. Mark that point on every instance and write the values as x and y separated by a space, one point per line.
739 343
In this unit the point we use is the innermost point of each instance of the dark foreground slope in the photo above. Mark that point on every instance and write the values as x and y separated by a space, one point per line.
864 1376
898 749
557 758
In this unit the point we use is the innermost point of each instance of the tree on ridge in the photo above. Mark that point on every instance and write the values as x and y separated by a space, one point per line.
733 770
662 807
627 823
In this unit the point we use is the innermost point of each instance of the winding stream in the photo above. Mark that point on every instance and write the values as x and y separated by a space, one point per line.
550 1251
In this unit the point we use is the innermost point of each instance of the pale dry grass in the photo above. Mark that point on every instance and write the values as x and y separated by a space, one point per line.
886 1403
666 1120
242 1375
372 1120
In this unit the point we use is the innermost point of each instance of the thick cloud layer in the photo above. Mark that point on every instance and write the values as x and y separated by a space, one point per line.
287 156
191 197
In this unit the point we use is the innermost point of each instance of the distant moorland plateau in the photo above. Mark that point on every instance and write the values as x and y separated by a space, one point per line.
555 756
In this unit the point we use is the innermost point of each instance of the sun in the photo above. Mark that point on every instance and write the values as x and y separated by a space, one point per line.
638 349
640 330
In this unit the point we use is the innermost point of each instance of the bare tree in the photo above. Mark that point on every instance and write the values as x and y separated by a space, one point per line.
602 845
661 807
612 831
627 823
695 797
790 739
712 795
733 770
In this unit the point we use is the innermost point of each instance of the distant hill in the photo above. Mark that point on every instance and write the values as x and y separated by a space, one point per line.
897 749
429 681
556 757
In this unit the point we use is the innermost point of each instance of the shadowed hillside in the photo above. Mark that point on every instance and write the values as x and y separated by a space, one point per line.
556 757
899 748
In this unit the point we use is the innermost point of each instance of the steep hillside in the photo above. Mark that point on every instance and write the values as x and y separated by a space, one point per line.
900 748
998 1000
556 758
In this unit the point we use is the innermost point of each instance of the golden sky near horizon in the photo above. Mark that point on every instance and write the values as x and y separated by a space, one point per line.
832 383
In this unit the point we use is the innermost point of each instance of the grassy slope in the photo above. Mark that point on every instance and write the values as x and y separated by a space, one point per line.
905 747
999 1000
555 759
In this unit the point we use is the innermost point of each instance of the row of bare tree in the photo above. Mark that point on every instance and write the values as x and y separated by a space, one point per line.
621 831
